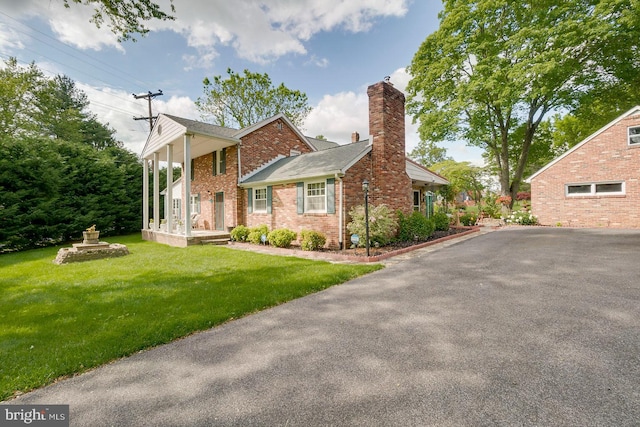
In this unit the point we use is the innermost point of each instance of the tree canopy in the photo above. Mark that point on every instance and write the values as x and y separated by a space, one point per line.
61 170
494 70
243 100
124 17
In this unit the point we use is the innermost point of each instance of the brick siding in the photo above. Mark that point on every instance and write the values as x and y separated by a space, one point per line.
607 157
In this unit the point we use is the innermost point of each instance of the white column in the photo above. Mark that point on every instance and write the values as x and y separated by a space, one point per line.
187 185
145 194
168 213
156 191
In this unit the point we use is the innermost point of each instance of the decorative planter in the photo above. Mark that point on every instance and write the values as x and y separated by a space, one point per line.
90 237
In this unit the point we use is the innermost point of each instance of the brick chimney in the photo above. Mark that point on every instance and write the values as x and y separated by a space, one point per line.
355 137
390 183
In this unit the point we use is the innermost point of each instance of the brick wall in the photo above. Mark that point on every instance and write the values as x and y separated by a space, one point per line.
257 148
268 142
390 183
606 157
207 185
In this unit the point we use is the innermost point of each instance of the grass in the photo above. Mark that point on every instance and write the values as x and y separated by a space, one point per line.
58 320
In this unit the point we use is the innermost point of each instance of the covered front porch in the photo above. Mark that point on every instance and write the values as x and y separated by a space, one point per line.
177 140
196 237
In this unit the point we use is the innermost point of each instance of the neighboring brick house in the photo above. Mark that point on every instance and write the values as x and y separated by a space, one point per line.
596 183
270 173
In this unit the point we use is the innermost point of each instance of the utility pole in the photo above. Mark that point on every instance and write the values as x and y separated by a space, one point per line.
148 96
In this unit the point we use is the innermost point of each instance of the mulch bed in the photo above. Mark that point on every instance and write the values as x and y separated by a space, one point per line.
396 246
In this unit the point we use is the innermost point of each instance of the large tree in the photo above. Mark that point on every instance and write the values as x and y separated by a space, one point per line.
61 170
244 100
495 69
124 17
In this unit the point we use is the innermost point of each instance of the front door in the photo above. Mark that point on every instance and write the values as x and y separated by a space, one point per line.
219 211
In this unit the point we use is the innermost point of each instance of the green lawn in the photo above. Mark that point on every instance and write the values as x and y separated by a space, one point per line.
56 320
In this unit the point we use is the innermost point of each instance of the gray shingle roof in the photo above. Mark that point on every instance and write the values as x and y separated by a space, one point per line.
319 163
204 128
321 144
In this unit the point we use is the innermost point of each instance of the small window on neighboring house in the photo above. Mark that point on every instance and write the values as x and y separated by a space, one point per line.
260 200
416 200
596 189
634 135
315 197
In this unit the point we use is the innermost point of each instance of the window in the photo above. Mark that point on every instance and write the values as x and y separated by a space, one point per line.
634 135
315 197
195 203
596 189
219 162
416 200
260 200
177 208
223 161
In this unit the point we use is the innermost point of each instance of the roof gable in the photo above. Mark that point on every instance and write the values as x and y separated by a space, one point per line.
280 116
631 112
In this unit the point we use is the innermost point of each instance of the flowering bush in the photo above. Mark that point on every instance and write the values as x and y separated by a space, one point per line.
504 200
521 218
383 224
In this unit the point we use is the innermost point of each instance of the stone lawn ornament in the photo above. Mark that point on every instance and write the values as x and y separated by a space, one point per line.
91 248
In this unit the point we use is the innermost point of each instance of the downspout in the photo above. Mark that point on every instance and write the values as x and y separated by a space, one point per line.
340 213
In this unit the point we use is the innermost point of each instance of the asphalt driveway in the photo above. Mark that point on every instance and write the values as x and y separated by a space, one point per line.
518 327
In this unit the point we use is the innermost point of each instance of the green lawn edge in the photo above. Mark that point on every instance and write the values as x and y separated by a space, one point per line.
61 320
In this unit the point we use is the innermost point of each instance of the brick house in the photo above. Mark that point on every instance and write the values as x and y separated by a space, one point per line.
596 183
270 173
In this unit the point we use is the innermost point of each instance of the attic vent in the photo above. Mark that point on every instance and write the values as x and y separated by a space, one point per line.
293 153
279 125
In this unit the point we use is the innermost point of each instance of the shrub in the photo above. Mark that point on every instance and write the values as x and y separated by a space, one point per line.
414 227
281 237
521 218
382 224
491 206
312 240
255 233
523 195
469 218
441 221
240 233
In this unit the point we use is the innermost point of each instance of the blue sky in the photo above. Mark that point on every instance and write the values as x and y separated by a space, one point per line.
329 49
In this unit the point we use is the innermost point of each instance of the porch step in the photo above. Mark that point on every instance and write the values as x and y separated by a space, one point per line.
218 241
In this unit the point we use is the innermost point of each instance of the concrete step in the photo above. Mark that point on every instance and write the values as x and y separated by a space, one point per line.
218 241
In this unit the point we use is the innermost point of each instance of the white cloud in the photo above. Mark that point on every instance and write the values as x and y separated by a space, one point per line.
259 31
133 133
9 40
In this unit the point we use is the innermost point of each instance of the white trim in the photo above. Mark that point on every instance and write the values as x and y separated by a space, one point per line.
323 196
632 111
263 166
636 136
594 191
255 199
